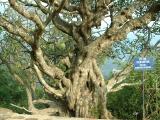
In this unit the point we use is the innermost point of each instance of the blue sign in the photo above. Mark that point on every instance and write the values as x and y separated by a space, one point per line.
143 63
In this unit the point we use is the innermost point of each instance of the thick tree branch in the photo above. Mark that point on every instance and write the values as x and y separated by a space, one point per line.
54 16
85 9
71 8
16 30
41 7
52 71
61 6
121 86
113 35
62 25
29 15
37 4
121 76
49 88
26 3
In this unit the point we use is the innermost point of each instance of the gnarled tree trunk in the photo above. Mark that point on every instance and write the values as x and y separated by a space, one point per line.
87 94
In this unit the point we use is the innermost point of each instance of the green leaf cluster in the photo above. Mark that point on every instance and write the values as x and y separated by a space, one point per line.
10 90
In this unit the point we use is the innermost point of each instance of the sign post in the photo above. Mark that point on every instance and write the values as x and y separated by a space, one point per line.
143 64
143 94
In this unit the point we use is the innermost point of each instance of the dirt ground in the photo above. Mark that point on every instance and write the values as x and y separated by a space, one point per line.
6 114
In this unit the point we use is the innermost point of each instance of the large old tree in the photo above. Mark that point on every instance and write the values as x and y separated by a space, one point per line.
82 88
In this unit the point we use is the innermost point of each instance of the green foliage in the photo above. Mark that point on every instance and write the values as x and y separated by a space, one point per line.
121 3
40 94
1 29
124 103
10 91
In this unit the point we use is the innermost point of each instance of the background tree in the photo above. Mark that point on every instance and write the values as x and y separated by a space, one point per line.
13 58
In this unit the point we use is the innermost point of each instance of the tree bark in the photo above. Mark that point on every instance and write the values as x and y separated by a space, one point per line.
87 94
30 100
